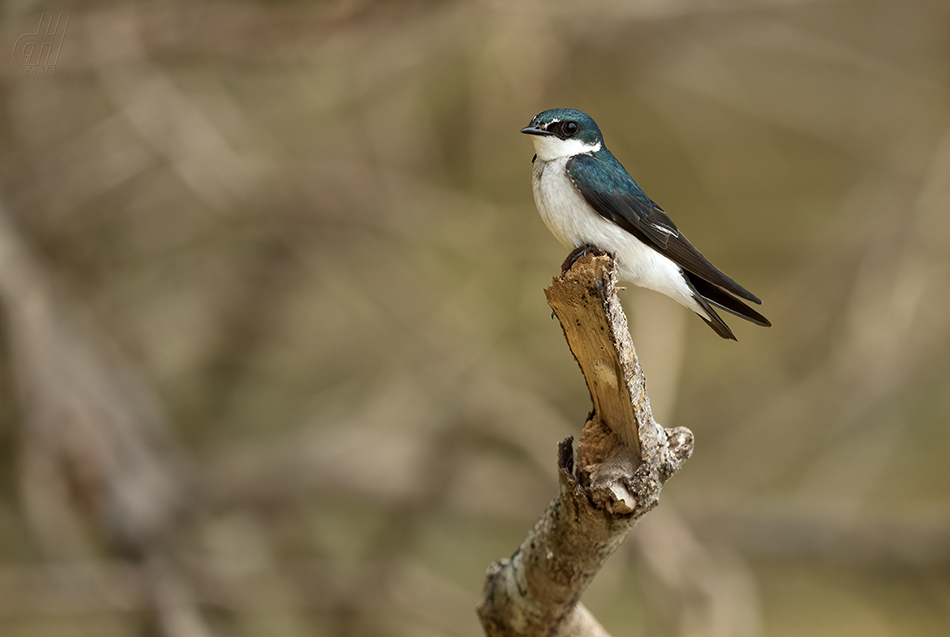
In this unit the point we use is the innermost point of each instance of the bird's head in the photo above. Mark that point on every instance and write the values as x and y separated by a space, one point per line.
563 132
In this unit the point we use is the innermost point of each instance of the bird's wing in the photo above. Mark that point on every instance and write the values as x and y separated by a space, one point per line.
616 196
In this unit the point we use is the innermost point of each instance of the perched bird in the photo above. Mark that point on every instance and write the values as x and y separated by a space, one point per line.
587 198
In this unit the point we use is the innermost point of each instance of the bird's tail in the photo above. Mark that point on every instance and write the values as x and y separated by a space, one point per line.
707 295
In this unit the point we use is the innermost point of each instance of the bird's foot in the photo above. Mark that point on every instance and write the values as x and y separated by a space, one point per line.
577 253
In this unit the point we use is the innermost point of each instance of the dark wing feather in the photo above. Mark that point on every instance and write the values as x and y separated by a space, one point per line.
725 301
615 196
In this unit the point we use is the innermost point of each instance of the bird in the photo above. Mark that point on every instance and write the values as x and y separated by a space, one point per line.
586 198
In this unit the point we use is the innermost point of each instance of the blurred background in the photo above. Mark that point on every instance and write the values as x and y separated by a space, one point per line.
277 360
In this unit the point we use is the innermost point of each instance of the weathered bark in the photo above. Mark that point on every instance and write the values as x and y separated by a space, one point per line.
623 459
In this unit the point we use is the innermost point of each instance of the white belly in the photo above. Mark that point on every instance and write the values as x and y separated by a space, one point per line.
574 223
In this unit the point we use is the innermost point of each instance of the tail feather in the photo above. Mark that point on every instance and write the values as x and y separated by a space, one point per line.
723 300
713 320
706 293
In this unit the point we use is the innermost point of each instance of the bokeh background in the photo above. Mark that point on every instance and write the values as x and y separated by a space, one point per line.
277 361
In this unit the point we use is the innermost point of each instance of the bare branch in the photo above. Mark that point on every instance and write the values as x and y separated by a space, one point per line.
623 459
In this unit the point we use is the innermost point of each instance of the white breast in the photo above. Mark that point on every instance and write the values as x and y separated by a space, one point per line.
574 223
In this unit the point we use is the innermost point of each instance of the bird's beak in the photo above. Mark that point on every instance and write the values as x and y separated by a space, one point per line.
534 130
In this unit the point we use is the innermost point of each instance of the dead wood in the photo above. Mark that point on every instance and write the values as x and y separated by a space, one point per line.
623 458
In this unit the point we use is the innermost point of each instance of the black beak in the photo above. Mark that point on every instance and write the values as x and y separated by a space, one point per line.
534 130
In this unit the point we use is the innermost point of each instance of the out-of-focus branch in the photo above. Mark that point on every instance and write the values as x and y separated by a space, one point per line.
98 467
713 592
93 438
623 459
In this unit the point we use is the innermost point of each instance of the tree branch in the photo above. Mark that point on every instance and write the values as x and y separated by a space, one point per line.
623 459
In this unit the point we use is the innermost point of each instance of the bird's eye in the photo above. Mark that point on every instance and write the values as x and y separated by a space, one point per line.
569 128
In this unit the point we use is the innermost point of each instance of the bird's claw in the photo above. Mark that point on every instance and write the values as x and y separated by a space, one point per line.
577 253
